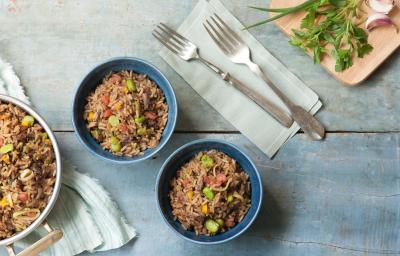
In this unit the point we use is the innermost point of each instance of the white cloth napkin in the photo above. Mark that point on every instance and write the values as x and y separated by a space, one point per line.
84 211
245 115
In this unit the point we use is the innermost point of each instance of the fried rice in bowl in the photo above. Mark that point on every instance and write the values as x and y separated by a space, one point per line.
124 110
209 191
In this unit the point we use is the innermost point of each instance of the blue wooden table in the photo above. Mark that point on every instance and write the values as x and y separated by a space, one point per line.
340 196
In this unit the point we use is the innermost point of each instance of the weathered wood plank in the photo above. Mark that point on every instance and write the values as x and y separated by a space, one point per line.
54 44
337 197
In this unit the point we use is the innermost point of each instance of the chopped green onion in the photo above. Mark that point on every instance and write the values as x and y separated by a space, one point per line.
95 133
113 120
212 226
130 85
45 135
140 119
229 199
27 121
220 222
116 147
6 148
114 140
208 193
207 161
142 131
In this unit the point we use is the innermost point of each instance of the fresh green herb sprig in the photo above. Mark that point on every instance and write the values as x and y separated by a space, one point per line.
328 22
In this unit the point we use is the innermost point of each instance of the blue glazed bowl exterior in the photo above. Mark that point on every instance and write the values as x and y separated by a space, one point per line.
94 78
183 155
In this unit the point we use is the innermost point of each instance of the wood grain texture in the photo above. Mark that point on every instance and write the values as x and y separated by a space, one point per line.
337 197
53 44
385 41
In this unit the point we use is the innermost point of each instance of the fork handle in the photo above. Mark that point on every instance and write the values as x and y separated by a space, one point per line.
276 112
308 123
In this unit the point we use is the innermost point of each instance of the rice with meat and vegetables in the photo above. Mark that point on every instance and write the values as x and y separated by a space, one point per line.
126 113
28 169
210 193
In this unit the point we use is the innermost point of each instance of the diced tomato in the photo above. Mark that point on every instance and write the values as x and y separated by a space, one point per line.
23 196
30 214
185 182
221 178
1 141
105 99
115 78
123 128
107 113
209 180
150 115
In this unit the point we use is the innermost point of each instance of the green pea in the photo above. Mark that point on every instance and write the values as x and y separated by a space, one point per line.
27 121
6 148
114 140
116 147
208 193
229 199
212 226
113 120
130 85
207 161
142 131
140 119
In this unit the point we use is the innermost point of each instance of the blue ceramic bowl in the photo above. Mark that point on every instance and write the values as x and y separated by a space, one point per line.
93 79
183 155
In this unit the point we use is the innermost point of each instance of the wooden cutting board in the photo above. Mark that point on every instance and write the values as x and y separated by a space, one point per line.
385 41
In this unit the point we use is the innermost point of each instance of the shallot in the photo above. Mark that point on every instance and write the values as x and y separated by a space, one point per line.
381 6
378 20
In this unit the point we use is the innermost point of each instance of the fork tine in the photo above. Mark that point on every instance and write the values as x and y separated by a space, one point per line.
169 38
173 32
231 38
166 43
221 46
233 33
221 39
172 38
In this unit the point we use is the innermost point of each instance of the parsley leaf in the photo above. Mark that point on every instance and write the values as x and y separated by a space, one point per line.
329 24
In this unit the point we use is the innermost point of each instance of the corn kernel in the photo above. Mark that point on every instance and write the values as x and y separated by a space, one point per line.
91 116
189 195
118 106
204 208
3 202
6 159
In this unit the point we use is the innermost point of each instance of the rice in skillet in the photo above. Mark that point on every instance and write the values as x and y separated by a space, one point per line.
210 193
28 169
127 113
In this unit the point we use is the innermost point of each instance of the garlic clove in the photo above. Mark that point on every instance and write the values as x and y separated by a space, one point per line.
381 6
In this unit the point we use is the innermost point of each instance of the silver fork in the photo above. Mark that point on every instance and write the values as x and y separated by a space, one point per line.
189 51
238 52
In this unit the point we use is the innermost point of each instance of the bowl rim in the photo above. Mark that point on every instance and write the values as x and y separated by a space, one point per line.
56 190
201 141
133 159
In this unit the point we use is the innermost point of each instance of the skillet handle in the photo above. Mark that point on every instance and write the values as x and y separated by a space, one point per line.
45 242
